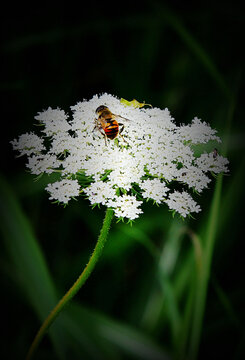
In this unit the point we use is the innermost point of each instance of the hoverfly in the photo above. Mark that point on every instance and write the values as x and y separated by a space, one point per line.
108 123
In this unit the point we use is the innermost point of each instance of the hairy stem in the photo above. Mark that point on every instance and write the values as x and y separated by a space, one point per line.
76 286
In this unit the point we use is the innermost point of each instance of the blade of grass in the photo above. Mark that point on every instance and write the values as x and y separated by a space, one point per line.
164 304
29 268
171 306
180 348
202 277
225 302
124 337
208 234
187 313
140 236
174 22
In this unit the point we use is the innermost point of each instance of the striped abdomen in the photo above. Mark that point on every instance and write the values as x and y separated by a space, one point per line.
109 125
111 129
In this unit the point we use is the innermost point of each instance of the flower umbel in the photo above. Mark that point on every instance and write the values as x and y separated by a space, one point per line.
153 155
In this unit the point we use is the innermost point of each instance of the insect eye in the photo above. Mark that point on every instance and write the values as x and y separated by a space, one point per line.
100 108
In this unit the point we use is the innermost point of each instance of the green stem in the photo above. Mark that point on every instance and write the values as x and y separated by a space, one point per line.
202 278
209 235
77 285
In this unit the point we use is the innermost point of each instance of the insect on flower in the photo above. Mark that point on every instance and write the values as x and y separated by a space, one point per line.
158 153
215 153
108 123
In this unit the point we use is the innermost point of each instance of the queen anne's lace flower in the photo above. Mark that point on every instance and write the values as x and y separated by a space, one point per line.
182 203
126 206
154 189
63 190
198 132
28 144
43 163
100 192
54 121
153 153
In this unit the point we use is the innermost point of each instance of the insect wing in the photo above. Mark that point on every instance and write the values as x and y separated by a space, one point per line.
119 118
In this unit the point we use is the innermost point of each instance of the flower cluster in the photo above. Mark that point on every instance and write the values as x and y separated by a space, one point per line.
153 155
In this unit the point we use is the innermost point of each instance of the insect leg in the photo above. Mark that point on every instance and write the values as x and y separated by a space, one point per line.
96 126
102 133
121 130
99 128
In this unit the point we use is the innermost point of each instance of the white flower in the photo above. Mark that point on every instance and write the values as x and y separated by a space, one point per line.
126 169
39 164
28 144
212 162
61 142
100 192
72 164
198 132
54 121
182 203
126 206
63 190
153 154
154 189
193 177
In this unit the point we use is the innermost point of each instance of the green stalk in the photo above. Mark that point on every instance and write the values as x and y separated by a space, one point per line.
202 277
76 286
209 236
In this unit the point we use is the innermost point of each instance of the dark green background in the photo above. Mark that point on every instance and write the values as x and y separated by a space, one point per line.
184 57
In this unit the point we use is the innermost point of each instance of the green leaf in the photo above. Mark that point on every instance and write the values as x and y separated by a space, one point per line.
28 265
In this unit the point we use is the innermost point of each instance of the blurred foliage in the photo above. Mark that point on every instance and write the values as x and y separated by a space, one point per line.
148 292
